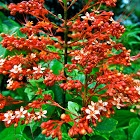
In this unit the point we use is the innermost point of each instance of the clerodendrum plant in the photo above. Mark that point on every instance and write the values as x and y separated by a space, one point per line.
71 81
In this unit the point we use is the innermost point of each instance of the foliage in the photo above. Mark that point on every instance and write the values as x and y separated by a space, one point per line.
70 78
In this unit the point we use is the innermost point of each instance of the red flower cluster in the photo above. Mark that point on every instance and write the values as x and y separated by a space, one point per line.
90 46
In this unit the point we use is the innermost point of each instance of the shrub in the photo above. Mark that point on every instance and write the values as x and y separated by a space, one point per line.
66 83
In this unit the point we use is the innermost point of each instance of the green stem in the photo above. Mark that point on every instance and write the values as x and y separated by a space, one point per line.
85 92
65 47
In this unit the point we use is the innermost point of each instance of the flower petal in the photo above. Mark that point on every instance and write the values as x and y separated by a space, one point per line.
87 111
88 117
44 112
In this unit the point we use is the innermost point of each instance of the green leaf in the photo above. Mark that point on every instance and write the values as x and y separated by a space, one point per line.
58 93
49 92
35 82
2 50
50 110
3 5
40 137
33 125
73 107
55 65
54 38
119 134
59 15
5 28
13 133
136 135
29 92
121 114
106 126
64 1
134 129
79 76
97 137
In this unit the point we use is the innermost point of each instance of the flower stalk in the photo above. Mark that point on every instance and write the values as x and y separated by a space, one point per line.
65 47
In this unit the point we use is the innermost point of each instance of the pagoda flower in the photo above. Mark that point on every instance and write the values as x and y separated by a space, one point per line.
16 68
111 19
101 105
137 81
123 99
116 102
87 17
8 116
41 114
138 89
92 112
30 117
33 55
21 113
2 61
10 82
84 53
138 72
78 57
38 69
95 11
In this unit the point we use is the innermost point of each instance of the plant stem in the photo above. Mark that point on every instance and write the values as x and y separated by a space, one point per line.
85 92
65 48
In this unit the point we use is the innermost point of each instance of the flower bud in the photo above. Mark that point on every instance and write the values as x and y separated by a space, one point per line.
26 122
43 125
82 131
44 131
63 116
71 133
89 130
15 125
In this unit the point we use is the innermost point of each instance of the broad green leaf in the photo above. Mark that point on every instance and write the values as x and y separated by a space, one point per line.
73 107
106 126
65 136
30 93
21 93
97 137
35 82
6 93
7 21
121 114
119 134
131 130
13 133
2 50
3 5
13 30
50 110
58 93
136 135
80 77
55 65
32 131
5 28
33 125
134 129
41 137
